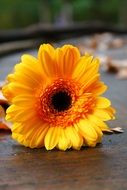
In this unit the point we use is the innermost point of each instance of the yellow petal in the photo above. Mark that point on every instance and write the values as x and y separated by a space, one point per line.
29 72
70 59
66 59
13 89
48 48
64 142
38 135
96 88
18 137
27 78
22 116
81 67
30 62
24 100
24 127
87 71
90 73
98 122
90 81
39 139
99 89
8 92
33 138
98 131
74 137
102 102
59 60
46 59
52 138
10 78
111 111
102 114
88 132
16 127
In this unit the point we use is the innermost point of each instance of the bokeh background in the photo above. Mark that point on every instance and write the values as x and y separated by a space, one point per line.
22 13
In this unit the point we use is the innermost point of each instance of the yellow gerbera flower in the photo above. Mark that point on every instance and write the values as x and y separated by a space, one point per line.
55 99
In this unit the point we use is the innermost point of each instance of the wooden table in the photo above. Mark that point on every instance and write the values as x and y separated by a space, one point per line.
103 167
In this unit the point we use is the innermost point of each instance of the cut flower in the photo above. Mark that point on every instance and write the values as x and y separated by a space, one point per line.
55 100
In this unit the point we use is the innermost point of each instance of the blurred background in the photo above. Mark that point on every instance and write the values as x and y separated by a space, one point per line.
22 13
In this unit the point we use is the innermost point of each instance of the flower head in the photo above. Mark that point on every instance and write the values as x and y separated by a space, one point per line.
55 99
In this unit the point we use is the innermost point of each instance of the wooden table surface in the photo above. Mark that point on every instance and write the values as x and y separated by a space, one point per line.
103 167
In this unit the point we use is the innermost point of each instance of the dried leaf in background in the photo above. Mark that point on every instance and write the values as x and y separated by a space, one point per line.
3 106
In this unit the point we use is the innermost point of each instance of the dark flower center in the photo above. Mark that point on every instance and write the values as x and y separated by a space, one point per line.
61 101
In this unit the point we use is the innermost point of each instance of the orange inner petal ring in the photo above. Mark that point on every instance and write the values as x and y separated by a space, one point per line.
61 103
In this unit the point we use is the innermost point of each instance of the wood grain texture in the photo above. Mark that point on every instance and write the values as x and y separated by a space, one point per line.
103 167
